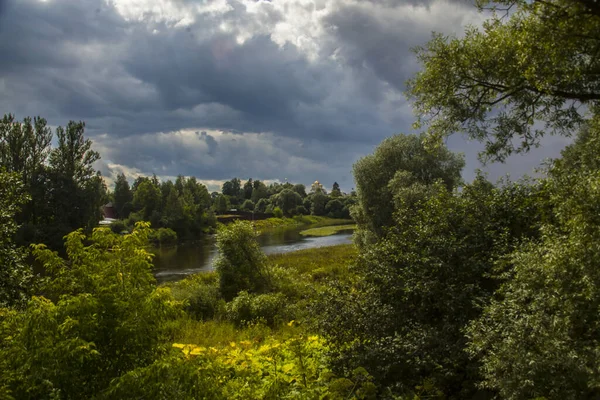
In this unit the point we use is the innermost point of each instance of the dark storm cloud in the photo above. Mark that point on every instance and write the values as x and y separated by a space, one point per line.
264 107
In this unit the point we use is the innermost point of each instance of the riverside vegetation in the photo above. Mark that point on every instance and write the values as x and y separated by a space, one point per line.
452 290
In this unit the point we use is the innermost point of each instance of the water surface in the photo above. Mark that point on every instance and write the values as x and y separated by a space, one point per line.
174 263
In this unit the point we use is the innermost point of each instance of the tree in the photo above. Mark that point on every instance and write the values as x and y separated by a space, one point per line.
15 273
526 73
147 198
261 205
123 196
248 205
102 317
398 162
248 188
334 208
318 203
232 188
539 336
300 189
335 190
288 200
259 192
241 264
221 204
74 155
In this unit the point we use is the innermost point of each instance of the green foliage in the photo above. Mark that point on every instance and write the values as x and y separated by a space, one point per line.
200 294
15 274
103 317
287 200
246 308
277 213
123 196
241 264
524 74
164 236
539 337
118 227
248 205
397 163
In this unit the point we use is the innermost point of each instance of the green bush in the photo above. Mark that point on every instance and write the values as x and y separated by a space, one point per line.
241 264
200 294
164 236
277 213
246 308
118 227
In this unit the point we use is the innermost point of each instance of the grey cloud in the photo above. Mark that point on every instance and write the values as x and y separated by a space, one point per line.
139 83
210 142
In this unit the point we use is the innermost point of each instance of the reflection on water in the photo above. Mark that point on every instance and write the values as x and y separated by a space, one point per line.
174 263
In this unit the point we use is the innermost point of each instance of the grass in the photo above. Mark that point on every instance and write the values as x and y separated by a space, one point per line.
328 230
298 275
299 220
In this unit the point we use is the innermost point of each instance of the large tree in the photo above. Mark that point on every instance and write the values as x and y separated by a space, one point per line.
398 162
527 72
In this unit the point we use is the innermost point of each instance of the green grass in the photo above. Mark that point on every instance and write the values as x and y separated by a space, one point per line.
327 230
299 220
299 275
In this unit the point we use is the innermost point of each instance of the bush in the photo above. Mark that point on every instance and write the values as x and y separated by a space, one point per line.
118 227
164 236
241 264
277 213
261 205
246 308
200 293
248 205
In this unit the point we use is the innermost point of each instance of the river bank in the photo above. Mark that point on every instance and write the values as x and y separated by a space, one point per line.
176 262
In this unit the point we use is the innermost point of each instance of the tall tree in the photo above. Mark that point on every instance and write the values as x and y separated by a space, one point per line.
248 187
123 196
15 273
335 190
524 74
398 162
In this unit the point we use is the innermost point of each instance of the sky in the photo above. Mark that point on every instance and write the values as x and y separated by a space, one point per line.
275 90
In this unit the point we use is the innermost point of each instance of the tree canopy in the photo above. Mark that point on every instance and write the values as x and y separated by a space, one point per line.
531 70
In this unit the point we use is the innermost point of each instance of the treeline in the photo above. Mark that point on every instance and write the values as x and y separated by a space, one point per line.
182 207
65 192
285 199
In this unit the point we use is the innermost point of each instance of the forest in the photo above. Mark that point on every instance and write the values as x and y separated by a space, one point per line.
451 289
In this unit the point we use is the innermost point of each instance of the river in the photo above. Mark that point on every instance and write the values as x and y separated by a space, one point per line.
175 263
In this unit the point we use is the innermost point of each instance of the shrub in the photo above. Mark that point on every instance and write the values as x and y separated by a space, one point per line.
248 205
118 227
201 295
250 308
241 264
164 236
277 213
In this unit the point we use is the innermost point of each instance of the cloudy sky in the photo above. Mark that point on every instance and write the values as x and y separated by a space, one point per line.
296 89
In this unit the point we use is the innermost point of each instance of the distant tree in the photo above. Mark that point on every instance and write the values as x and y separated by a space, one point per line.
248 205
247 190
334 208
288 200
221 204
300 189
232 188
259 191
123 197
319 201
261 205
335 190
147 198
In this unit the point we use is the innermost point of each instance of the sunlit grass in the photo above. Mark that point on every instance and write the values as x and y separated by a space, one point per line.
328 230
